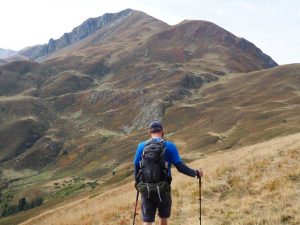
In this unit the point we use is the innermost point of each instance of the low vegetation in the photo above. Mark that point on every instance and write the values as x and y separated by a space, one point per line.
8 209
253 185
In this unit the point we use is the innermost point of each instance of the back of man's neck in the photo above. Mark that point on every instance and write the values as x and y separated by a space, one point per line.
156 136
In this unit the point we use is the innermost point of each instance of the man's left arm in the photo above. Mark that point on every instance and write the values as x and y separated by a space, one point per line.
182 168
178 163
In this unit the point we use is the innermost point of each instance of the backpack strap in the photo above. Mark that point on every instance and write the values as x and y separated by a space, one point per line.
165 150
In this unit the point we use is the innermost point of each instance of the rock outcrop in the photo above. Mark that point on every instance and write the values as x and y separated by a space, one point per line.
78 33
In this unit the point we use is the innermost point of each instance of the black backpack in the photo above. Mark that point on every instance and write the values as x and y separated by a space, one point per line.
153 165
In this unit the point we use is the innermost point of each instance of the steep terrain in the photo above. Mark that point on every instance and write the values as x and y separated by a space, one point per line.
204 44
72 118
257 184
84 30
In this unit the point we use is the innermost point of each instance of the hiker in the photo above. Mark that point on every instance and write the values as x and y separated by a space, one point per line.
152 171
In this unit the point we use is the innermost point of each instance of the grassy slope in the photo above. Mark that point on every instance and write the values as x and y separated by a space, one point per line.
258 184
238 110
255 107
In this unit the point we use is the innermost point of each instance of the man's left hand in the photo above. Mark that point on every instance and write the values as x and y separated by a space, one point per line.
199 173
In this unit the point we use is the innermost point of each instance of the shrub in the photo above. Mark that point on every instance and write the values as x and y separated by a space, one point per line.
22 206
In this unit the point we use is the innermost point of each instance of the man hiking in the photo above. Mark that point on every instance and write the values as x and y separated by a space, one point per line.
152 171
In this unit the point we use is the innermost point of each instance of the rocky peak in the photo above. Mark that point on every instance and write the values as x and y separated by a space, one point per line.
92 24
88 27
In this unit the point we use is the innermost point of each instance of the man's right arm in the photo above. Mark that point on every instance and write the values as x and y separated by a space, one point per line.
136 162
136 171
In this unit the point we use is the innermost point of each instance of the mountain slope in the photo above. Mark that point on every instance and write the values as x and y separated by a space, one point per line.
204 46
244 186
239 109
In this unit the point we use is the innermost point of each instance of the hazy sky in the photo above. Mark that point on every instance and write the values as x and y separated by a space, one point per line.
273 25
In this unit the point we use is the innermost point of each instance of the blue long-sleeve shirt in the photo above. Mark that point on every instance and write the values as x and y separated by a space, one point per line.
172 157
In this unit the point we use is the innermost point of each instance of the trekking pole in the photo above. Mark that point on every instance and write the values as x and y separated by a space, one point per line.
200 199
135 208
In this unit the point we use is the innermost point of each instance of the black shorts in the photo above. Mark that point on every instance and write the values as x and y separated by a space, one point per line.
149 206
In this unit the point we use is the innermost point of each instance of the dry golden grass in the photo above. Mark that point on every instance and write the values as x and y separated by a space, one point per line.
254 185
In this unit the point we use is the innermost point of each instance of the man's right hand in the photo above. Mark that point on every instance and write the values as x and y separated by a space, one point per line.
135 185
199 173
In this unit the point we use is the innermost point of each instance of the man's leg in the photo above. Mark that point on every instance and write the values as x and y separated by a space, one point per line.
164 209
163 221
148 210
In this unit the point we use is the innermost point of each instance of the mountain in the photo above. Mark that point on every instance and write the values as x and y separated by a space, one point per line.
4 53
112 72
84 30
76 111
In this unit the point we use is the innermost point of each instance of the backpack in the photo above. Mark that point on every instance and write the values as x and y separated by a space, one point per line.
153 174
153 165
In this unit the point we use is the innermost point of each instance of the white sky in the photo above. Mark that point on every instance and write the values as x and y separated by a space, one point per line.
273 25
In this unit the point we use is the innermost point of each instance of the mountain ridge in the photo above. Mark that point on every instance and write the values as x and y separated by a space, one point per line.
78 33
